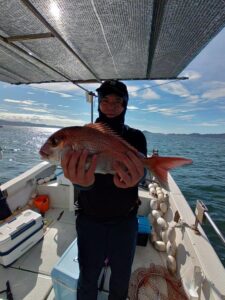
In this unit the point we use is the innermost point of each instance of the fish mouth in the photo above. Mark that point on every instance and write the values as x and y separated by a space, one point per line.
43 154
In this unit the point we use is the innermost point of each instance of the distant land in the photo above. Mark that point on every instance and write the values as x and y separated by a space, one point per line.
12 123
146 133
220 135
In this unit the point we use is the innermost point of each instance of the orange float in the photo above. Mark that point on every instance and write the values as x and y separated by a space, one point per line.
42 203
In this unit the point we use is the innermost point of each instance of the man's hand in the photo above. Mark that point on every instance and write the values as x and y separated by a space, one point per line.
74 167
128 173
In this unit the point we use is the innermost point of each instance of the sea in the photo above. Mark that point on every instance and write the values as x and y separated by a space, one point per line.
203 180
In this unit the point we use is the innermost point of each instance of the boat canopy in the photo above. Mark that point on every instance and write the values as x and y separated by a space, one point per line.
92 40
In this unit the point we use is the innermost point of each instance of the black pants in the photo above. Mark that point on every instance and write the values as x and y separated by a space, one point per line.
98 241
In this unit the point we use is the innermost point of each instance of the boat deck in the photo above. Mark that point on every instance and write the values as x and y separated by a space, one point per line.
30 275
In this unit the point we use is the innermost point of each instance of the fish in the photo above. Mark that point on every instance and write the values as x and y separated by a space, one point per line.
99 139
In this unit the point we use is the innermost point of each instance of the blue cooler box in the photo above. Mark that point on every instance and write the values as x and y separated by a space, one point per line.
65 275
144 229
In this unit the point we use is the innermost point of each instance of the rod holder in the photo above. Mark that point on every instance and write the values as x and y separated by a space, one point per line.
201 213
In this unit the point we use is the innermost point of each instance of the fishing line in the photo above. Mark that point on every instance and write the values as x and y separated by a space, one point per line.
145 88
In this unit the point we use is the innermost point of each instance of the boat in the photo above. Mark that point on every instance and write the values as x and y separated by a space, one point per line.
87 42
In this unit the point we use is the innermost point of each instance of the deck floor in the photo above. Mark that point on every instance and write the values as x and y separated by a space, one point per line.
30 275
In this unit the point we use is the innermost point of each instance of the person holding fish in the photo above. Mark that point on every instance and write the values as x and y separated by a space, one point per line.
106 222
106 161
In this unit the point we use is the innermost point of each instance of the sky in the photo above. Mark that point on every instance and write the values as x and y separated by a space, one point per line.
196 105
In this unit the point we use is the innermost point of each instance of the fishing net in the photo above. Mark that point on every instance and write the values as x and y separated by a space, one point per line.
154 283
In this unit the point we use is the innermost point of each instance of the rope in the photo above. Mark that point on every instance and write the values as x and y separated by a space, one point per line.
144 277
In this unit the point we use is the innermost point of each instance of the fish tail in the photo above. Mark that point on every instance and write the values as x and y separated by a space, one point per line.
159 166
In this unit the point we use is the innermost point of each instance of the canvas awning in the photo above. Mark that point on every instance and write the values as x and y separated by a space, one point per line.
93 40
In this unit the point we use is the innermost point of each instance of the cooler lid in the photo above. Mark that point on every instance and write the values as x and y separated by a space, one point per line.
66 270
18 224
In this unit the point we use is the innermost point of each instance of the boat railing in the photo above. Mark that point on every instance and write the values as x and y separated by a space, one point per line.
201 213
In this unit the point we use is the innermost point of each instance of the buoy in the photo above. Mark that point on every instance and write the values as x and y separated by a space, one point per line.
151 185
164 236
40 181
42 203
160 245
162 223
171 248
156 213
171 264
163 207
155 184
160 196
152 191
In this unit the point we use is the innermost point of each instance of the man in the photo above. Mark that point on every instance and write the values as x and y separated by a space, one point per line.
106 223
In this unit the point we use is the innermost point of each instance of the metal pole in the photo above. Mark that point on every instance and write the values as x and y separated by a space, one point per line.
219 233
92 111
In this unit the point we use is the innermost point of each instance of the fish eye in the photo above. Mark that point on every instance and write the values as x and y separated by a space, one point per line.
54 141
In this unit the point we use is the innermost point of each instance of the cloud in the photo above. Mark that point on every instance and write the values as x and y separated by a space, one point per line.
64 106
151 108
192 75
214 123
41 119
178 112
132 90
221 107
65 87
167 111
186 117
132 107
56 86
82 114
194 98
6 85
60 88
207 124
93 86
25 102
163 111
144 92
214 93
175 88
149 94
35 109
60 94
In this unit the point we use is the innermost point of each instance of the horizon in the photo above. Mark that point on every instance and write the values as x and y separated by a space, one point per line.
27 124
189 106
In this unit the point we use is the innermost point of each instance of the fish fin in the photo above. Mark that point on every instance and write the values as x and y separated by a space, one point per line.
160 166
104 128
99 126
